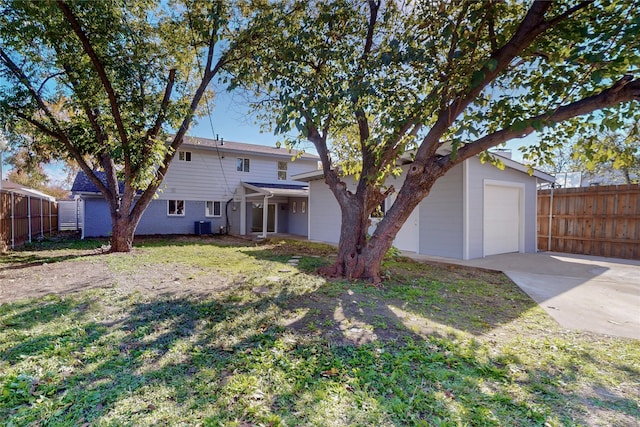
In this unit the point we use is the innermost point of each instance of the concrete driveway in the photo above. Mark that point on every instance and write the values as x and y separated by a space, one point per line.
581 292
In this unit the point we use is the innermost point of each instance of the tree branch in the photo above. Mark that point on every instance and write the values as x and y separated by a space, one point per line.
47 79
531 26
624 90
89 112
153 132
104 79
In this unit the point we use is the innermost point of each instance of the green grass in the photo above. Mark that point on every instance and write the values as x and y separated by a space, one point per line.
435 346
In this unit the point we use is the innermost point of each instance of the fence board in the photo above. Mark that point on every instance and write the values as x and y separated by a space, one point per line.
601 221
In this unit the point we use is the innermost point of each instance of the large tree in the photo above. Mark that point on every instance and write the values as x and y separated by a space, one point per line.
421 75
105 83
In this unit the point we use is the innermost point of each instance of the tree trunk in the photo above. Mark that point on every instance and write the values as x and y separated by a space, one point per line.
122 233
360 256
124 221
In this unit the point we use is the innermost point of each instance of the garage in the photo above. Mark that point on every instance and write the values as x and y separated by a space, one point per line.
503 222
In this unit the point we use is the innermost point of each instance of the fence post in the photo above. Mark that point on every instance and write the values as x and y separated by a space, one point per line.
29 215
550 219
41 221
13 220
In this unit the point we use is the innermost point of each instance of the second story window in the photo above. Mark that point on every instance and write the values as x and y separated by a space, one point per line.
282 171
242 165
184 156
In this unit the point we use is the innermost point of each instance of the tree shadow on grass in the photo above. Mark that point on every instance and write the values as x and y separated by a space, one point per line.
168 360
463 298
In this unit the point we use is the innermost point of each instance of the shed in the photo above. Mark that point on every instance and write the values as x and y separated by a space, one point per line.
473 211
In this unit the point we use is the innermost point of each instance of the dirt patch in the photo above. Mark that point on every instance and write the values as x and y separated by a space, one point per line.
79 270
52 278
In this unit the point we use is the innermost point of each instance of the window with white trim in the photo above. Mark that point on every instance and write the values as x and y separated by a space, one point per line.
303 206
282 170
213 208
184 156
242 165
175 207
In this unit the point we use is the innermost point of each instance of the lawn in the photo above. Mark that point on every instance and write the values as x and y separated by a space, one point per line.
228 332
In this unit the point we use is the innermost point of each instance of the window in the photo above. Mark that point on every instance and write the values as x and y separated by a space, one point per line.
175 207
214 208
242 165
184 156
379 212
303 206
294 206
282 171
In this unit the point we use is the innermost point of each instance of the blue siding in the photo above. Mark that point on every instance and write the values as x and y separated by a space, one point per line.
283 217
97 219
155 219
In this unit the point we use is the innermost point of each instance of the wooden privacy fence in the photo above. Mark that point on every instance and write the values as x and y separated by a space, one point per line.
24 217
601 221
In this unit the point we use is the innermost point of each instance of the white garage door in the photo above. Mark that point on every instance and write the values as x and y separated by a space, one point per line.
502 219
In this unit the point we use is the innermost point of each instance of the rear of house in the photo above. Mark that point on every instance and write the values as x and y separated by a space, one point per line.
216 187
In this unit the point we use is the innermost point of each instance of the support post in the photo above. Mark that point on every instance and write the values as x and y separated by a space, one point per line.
265 215
243 212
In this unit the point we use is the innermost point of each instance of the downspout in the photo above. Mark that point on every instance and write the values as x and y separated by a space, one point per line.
226 214
84 223
550 218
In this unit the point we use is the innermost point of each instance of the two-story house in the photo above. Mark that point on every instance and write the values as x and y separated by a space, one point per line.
217 187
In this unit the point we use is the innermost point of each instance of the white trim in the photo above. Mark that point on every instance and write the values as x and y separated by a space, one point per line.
206 210
521 208
243 211
245 160
466 242
285 170
309 213
184 207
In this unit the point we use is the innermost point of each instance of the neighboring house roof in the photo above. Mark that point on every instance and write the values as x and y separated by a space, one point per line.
319 174
82 183
21 189
243 148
